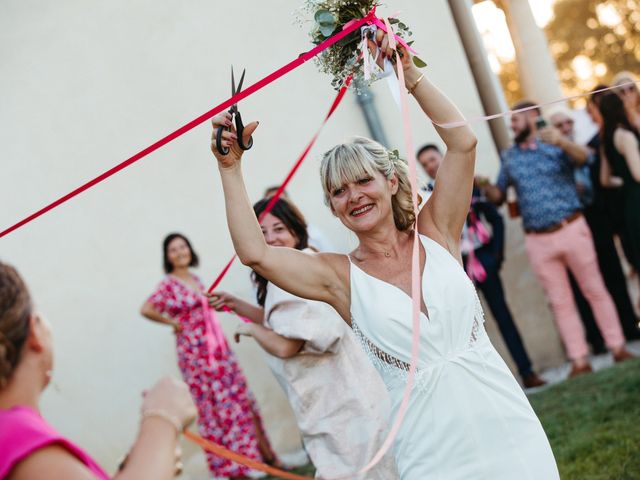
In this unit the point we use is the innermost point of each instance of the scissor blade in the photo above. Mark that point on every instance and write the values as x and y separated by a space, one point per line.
241 81
233 83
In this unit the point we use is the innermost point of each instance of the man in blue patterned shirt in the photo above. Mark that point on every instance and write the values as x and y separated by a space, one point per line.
489 253
540 165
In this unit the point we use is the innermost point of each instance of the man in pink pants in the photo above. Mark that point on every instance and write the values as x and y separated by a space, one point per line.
541 168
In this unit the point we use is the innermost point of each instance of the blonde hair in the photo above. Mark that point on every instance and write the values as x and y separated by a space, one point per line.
361 157
624 77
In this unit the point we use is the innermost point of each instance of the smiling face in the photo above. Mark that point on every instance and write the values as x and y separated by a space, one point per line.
276 232
365 203
366 186
179 253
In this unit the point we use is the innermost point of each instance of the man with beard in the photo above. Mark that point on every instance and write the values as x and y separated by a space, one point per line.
540 165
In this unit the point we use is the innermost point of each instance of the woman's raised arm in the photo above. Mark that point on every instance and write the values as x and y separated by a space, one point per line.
448 206
446 211
308 275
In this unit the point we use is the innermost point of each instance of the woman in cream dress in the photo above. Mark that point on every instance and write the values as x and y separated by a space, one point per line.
467 416
340 402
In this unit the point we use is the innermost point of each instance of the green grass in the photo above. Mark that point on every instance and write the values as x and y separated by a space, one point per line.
308 470
593 424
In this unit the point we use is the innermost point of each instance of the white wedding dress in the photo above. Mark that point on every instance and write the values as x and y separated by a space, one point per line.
468 418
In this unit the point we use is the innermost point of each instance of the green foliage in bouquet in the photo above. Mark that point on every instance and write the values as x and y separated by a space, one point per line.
329 17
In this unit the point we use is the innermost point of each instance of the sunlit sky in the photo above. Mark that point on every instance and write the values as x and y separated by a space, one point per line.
493 28
495 33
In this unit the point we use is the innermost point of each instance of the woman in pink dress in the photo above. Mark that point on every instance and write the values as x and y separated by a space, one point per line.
29 446
227 412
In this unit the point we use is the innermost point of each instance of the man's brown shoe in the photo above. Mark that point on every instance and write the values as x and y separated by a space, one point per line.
580 370
533 380
622 356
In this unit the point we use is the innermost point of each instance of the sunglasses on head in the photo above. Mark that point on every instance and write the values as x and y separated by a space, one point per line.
628 89
563 123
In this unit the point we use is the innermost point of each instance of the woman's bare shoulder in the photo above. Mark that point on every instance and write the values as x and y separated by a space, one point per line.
54 462
339 262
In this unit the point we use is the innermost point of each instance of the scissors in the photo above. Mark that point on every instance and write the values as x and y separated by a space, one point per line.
235 113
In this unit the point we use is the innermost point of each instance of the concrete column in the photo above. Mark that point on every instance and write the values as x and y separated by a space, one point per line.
538 72
489 88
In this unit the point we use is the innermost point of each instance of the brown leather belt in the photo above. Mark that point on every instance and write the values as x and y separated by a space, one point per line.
556 226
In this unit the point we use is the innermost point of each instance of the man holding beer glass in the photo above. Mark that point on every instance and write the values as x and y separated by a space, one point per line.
540 167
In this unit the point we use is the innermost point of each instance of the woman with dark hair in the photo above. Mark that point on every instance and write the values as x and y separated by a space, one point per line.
29 446
340 402
227 412
627 90
621 158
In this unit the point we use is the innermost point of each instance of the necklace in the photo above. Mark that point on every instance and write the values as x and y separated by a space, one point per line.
386 253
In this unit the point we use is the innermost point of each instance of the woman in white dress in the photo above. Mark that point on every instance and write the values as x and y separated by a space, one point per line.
468 417
313 355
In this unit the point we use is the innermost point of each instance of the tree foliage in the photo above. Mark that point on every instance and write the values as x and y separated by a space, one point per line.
582 30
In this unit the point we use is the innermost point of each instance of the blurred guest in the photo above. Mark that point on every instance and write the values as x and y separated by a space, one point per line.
541 168
227 412
30 447
429 156
561 118
340 402
621 157
630 96
611 196
482 255
318 240
591 195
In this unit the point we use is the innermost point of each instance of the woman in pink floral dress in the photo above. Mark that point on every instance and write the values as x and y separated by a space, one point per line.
227 412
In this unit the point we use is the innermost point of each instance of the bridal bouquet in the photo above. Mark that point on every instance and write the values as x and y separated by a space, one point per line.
346 57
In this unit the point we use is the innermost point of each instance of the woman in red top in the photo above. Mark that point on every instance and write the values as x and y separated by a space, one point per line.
29 447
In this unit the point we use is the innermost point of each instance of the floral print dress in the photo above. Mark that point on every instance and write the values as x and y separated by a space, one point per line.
227 412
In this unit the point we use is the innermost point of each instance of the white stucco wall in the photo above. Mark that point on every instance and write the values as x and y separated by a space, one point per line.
84 85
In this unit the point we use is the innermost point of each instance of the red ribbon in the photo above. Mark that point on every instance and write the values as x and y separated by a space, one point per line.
287 179
220 451
195 122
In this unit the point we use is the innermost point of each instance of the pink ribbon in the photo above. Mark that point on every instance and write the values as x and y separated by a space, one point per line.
486 118
373 20
477 230
416 293
386 27
213 332
475 270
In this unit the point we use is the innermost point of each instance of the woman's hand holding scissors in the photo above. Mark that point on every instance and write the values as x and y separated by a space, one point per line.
229 139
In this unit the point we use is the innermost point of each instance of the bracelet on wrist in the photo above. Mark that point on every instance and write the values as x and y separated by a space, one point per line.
174 421
415 85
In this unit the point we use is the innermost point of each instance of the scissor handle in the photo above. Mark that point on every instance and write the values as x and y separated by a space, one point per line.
219 147
239 131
